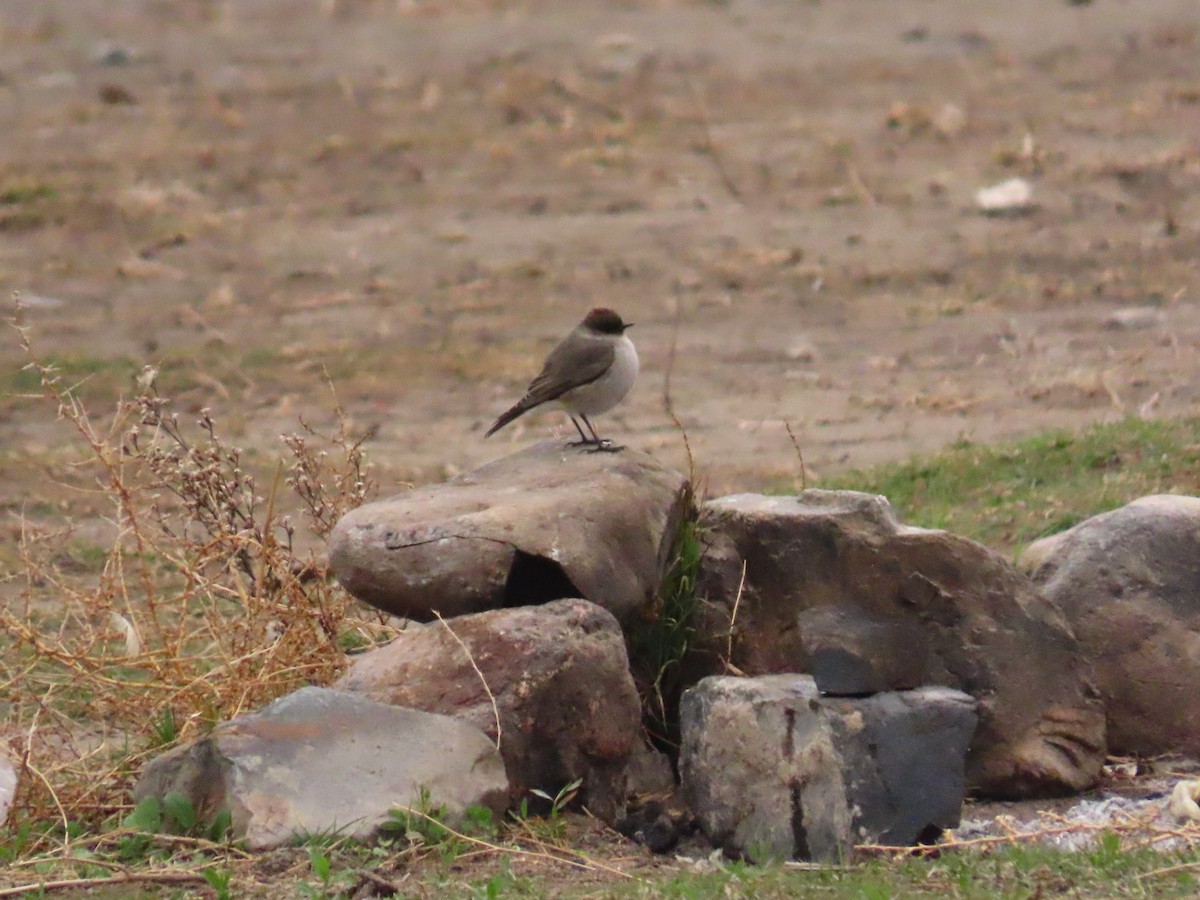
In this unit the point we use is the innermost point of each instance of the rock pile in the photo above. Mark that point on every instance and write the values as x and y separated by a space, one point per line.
882 670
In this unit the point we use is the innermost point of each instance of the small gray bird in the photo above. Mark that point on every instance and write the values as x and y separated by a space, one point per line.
589 373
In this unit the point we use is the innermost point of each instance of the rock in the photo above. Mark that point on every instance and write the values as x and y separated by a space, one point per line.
773 770
543 524
1184 805
322 761
949 121
802 350
560 676
1129 583
107 53
649 772
8 787
1012 197
1134 318
137 267
990 633
656 827
852 653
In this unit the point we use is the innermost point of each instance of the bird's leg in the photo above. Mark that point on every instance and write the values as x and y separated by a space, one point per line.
597 443
584 440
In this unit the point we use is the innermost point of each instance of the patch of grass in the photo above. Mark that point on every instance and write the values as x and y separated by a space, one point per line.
658 645
1004 873
1007 495
14 193
84 375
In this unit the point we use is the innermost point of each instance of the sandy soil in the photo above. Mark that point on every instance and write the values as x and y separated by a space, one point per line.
421 197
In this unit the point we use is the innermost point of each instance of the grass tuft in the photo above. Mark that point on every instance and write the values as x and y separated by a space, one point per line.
658 645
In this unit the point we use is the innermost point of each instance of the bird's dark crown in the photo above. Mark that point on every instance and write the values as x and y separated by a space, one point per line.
605 321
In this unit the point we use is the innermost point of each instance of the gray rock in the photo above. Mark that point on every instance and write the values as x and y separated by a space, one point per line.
1129 583
760 771
853 653
1133 318
905 756
773 770
560 676
8 786
649 772
989 631
543 524
319 761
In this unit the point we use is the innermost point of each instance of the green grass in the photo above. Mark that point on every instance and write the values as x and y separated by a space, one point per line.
1013 872
1010 494
659 644
115 372
16 192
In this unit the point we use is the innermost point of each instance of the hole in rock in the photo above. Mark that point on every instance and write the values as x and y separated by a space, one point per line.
534 579
930 834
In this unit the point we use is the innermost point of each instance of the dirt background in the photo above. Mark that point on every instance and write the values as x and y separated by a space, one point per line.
420 198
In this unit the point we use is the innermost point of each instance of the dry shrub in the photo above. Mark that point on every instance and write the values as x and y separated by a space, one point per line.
204 607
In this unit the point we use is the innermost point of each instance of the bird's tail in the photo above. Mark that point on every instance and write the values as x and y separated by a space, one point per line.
518 408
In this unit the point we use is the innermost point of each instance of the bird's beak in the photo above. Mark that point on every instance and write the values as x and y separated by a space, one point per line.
628 325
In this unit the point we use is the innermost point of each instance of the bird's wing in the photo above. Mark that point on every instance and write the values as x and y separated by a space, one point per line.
573 363
577 361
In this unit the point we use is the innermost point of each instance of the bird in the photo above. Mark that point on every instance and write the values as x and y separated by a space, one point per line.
588 373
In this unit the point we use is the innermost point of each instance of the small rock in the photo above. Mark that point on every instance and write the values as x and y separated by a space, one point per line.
106 53
137 267
802 350
1183 804
1135 318
1129 584
116 95
853 653
772 770
546 523
656 827
8 787
559 676
649 772
1011 197
320 761
949 121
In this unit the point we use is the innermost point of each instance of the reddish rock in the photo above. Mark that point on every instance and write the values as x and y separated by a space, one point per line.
560 678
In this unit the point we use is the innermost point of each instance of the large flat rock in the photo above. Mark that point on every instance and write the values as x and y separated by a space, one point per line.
320 761
546 523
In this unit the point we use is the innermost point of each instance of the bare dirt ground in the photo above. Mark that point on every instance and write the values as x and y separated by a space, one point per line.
421 197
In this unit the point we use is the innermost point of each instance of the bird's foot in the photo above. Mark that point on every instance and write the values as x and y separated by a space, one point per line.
587 442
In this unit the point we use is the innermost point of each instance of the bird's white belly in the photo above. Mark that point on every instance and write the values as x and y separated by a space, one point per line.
610 388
